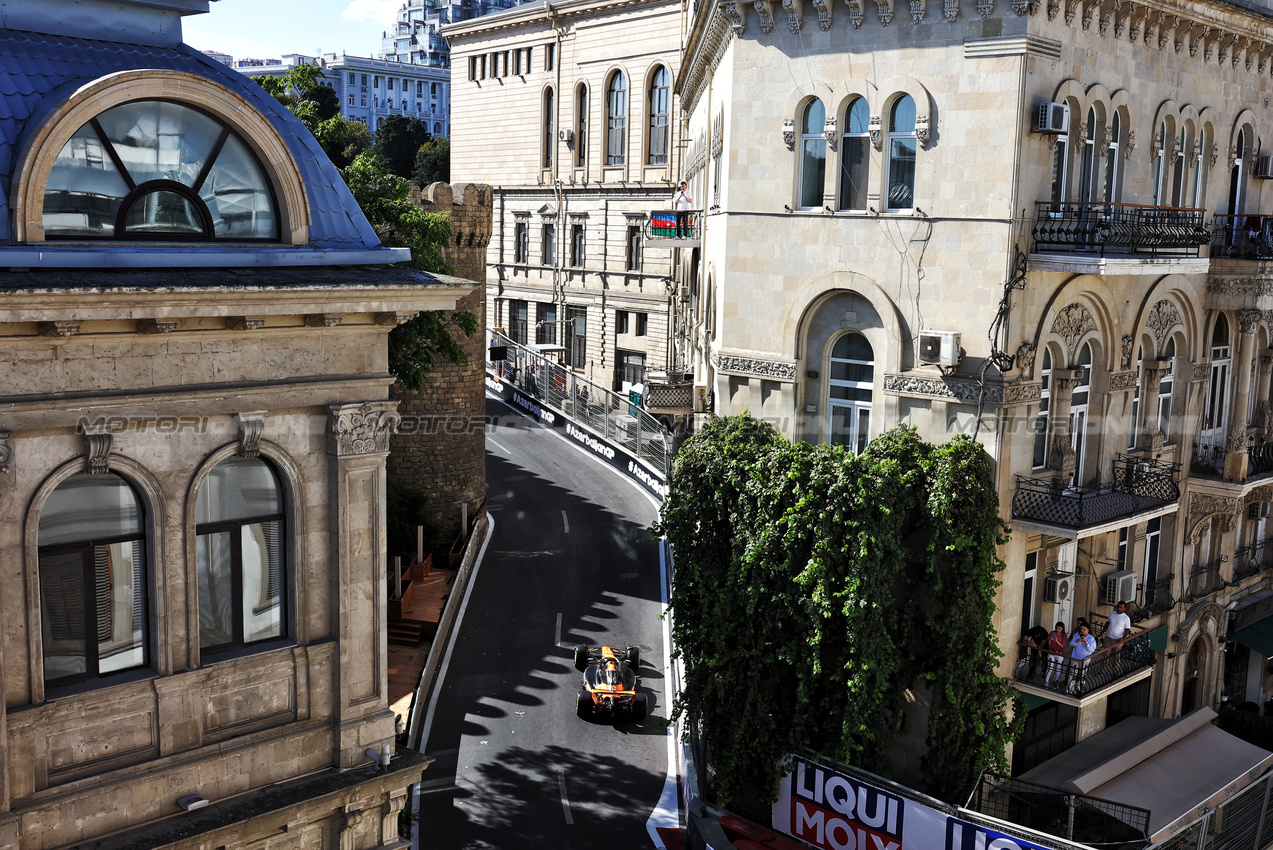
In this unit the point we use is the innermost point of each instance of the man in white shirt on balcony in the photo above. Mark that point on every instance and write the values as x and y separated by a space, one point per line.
1119 625
684 202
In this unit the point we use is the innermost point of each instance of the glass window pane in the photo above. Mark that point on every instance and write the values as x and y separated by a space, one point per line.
859 117
813 172
814 119
864 428
849 393
853 173
238 488
901 174
121 606
852 372
158 140
841 432
853 347
62 618
902 118
238 195
262 581
90 507
84 190
163 212
213 557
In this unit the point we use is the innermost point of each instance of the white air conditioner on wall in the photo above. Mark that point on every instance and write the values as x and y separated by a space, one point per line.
1053 118
565 134
940 348
1120 587
1058 589
1264 167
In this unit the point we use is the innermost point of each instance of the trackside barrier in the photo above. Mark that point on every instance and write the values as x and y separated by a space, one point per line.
1242 822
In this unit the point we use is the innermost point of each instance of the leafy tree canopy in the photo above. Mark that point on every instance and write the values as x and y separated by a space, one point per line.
341 140
433 163
398 140
812 587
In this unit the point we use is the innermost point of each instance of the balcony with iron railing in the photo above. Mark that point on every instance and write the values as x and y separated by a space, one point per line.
1138 486
1157 599
1242 237
1119 230
1208 459
1252 559
673 229
1069 679
1205 578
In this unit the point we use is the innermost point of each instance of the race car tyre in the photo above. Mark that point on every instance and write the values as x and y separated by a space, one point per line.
640 705
583 703
634 657
581 658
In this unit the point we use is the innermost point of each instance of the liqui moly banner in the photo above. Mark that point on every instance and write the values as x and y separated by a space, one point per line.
834 811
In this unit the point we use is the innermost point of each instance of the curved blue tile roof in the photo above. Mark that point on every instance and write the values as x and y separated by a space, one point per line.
36 70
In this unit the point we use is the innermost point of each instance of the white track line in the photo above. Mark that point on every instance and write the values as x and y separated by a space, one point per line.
565 802
498 446
565 523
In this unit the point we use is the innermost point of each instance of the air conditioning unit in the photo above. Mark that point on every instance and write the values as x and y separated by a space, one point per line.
565 134
1053 118
940 348
1264 167
1120 587
1058 589
1258 510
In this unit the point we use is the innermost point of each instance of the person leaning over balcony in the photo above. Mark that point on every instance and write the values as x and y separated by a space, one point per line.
1056 652
1118 626
1037 640
684 202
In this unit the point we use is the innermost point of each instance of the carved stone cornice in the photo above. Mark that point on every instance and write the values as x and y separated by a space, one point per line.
1249 321
251 427
1162 317
1064 385
6 451
754 367
824 13
1023 393
361 429
157 326
1125 362
830 133
765 14
964 391
97 449
795 14
1071 324
1205 505
985 8
884 8
950 10
323 320
1263 493
1123 381
857 13
919 8
394 318
733 15
244 323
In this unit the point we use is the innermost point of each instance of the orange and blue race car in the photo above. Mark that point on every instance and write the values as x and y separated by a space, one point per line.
609 682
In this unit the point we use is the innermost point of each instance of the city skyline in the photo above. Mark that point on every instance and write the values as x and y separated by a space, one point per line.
270 28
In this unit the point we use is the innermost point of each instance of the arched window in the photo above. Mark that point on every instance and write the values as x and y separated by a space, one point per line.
1160 165
154 169
1237 174
1087 173
240 553
1135 417
1060 169
581 126
92 557
1112 185
849 394
901 154
550 130
1078 413
1199 151
1178 188
659 98
616 119
1041 419
1165 390
855 146
813 155
1215 408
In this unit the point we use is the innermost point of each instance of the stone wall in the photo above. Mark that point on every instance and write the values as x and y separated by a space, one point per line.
440 447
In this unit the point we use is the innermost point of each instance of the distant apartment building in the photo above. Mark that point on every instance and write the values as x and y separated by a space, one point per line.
223 58
416 38
581 98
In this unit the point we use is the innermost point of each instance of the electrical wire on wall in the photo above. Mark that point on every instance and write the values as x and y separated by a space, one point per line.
998 334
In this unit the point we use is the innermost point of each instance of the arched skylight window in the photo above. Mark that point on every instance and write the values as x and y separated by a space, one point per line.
158 170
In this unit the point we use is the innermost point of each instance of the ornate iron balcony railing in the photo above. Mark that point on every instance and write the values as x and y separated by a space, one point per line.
1102 229
1207 459
1158 600
1251 559
1138 485
1204 579
1081 677
1242 237
1261 458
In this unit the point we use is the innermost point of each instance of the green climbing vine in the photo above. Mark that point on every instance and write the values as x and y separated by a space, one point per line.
812 588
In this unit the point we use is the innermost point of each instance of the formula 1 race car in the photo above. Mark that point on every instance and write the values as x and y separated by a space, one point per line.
609 682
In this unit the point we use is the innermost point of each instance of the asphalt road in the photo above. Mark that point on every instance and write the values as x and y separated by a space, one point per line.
570 561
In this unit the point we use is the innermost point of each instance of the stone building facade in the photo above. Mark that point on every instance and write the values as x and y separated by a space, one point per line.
588 148
1075 189
196 423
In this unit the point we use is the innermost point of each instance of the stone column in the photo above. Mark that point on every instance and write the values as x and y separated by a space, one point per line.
1061 458
1235 459
1263 412
1150 438
357 446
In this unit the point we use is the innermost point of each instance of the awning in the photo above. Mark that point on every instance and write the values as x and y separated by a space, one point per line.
1257 636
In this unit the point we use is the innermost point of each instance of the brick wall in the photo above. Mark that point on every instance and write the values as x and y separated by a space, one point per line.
441 444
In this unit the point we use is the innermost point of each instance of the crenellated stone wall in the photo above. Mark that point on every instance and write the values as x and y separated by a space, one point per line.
440 446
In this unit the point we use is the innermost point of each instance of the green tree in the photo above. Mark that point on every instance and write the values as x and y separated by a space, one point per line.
808 585
433 163
398 140
416 346
341 140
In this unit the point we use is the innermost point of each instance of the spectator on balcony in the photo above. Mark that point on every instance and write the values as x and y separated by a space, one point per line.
1119 625
1056 652
1036 639
1082 643
684 202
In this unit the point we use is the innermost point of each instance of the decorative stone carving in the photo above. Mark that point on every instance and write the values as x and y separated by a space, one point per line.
1215 155
1022 393
1025 7
856 13
1203 505
1259 494
1025 358
884 8
1162 317
6 451
1071 6
1201 371
244 323
360 429
1131 142
1123 381
795 14
97 449
322 320
156 326
824 13
950 10
754 367
1235 441
732 13
1062 457
789 133
1182 32
251 427
1125 361
1072 323
1157 439
964 391
985 8
1103 22
1054 6
765 13
922 132
60 328
1264 420
875 128
1085 20
830 132
1249 321
918 10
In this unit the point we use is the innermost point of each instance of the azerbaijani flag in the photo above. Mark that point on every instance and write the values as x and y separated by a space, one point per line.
663 224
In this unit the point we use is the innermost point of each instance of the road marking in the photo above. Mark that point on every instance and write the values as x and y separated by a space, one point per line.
559 628
666 813
565 522
565 803
498 446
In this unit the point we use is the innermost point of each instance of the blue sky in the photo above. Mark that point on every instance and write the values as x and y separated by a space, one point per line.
265 28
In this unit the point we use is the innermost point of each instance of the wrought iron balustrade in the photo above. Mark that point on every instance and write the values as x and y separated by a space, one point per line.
1158 599
1242 237
1204 579
676 225
1252 559
1079 677
1102 229
1260 458
1138 485
1208 459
